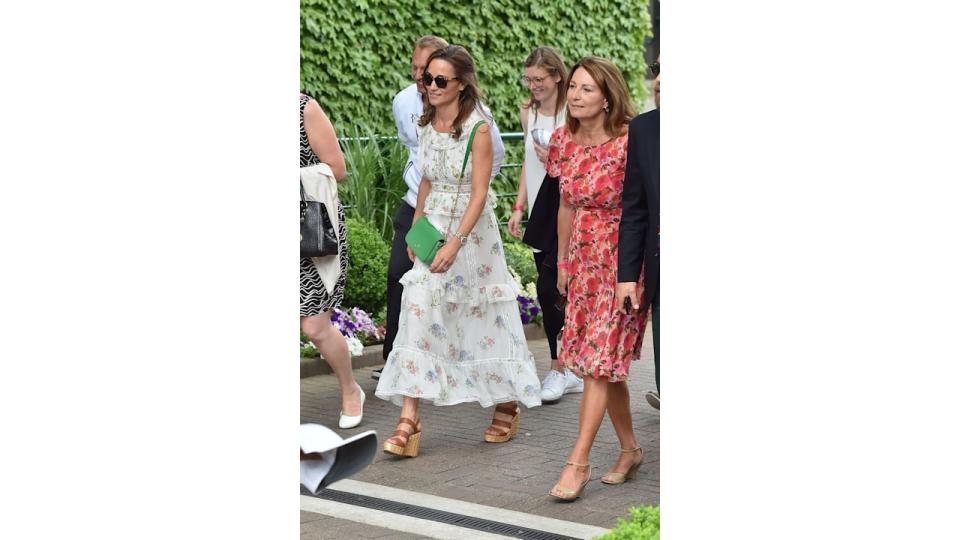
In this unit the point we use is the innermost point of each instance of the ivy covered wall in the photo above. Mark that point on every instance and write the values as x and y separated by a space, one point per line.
354 56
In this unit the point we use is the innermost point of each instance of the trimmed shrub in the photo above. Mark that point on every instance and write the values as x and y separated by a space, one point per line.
367 264
520 259
644 524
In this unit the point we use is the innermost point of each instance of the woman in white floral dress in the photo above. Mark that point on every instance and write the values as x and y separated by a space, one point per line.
460 338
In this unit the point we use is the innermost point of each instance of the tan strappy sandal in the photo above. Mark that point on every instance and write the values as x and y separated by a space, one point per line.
572 494
404 443
506 430
615 478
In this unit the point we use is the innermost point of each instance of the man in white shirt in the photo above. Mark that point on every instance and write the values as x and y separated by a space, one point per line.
407 109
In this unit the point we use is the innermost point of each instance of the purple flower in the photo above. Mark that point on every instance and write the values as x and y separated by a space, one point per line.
355 323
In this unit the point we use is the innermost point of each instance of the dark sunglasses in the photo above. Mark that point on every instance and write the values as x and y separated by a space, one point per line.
441 81
655 68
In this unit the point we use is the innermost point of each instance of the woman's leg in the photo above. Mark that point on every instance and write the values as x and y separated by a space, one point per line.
403 442
593 405
331 344
410 408
618 407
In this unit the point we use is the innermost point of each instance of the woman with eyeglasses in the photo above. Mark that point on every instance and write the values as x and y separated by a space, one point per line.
599 341
460 338
544 75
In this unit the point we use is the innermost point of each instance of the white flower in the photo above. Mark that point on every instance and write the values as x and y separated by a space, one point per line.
530 291
356 348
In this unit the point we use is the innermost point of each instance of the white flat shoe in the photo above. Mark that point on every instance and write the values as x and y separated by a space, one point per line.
347 422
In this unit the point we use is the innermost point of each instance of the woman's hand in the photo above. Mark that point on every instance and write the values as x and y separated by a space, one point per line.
413 258
563 278
542 152
514 224
445 257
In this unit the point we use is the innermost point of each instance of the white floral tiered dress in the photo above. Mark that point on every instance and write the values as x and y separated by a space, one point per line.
460 338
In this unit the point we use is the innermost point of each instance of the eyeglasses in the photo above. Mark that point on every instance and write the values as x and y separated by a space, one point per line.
655 68
537 80
441 81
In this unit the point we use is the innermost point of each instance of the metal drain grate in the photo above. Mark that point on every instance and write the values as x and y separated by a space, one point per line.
460 520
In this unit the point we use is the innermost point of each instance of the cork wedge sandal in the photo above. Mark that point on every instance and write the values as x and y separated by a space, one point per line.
505 429
404 442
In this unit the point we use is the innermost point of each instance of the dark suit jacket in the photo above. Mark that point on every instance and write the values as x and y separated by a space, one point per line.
639 243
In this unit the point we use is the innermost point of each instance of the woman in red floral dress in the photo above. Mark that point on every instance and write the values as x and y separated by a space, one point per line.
598 341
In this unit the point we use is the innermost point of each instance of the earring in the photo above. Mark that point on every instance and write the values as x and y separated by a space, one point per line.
606 107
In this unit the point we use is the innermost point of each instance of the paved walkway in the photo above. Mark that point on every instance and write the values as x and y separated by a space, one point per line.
456 463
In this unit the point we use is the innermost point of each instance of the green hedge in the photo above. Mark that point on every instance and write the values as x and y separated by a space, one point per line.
355 57
644 524
368 258
520 258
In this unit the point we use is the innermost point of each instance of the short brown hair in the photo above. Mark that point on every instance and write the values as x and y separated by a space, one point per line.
614 89
430 42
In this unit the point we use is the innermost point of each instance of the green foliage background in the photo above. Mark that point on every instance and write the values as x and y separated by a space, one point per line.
354 57
367 261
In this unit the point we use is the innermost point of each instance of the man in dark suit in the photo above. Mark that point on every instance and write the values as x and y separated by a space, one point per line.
639 244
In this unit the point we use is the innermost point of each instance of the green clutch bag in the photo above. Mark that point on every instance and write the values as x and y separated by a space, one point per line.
423 238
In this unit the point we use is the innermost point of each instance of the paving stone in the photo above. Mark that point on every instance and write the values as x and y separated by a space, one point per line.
331 528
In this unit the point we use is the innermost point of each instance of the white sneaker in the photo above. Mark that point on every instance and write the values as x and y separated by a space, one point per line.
552 386
653 398
348 422
574 383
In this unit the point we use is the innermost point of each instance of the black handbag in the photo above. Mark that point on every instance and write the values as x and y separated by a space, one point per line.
317 237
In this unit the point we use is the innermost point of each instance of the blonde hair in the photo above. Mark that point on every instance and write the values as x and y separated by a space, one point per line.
614 90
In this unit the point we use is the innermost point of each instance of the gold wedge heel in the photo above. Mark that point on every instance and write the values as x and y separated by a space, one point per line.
572 494
616 478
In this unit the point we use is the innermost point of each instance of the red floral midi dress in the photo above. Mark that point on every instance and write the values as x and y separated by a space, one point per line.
597 340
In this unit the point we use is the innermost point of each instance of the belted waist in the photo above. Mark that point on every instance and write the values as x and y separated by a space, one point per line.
448 188
600 209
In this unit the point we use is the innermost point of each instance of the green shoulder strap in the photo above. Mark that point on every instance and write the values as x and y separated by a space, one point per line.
466 156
